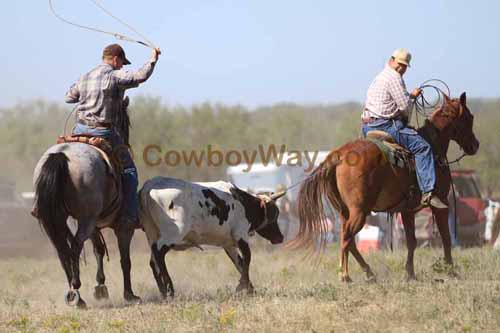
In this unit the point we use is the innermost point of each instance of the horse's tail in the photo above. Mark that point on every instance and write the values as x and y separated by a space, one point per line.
320 186
49 200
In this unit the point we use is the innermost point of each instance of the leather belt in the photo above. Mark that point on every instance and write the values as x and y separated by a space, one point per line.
368 120
94 123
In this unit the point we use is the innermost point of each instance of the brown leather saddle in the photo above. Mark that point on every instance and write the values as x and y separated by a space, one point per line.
399 157
394 153
100 143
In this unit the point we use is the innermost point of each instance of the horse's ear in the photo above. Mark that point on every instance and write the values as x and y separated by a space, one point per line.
446 98
463 99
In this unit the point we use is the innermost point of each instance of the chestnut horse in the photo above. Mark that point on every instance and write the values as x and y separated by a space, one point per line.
357 179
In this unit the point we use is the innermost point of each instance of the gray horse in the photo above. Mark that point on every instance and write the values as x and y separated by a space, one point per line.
77 180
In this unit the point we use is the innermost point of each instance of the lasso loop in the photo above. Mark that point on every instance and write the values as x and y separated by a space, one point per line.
422 104
146 41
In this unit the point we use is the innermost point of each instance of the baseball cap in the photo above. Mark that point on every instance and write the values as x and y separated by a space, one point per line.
115 50
402 56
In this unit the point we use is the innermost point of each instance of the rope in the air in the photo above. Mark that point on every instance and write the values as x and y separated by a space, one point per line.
146 41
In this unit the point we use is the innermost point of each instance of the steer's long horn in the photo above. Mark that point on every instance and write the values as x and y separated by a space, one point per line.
277 195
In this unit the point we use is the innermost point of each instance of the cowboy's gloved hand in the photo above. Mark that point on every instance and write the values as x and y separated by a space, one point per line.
155 54
416 92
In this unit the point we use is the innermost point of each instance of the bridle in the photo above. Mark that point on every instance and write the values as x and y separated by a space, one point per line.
425 108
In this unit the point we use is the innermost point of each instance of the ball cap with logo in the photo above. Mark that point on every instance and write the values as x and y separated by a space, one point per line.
402 56
115 50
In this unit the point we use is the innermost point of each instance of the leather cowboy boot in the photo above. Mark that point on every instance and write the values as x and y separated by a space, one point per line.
428 199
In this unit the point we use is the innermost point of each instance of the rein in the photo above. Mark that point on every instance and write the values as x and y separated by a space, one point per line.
119 36
265 223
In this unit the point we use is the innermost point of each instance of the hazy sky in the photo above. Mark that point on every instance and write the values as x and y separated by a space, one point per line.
254 52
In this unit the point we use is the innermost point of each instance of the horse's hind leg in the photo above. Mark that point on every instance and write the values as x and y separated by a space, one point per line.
85 230
344 253
124 236
349 229
370 276
64 252
100 291
357 221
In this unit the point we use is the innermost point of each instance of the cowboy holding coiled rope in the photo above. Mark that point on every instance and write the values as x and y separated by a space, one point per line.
387 109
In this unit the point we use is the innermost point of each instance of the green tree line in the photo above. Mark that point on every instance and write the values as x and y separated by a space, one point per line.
28 129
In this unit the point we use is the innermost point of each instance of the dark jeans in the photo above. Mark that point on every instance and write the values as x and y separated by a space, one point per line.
409 138
130 179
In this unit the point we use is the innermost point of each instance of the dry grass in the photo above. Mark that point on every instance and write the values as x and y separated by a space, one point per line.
290 295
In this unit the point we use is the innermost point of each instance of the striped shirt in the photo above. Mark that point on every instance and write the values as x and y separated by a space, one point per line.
387 96
100 92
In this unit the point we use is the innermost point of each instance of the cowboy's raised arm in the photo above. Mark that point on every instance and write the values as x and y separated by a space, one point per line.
73 94
128 80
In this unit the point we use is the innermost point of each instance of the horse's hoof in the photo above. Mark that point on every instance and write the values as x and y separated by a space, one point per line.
167 296
81 305
371 278
72 298
345 278
248 287
101 292
411 278
131 298
453 274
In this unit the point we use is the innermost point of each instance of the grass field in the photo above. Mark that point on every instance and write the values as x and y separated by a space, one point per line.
291 295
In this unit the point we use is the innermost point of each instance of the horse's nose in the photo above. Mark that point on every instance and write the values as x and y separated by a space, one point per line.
474 147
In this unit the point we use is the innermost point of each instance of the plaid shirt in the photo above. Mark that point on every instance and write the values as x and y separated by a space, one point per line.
100 92
387 96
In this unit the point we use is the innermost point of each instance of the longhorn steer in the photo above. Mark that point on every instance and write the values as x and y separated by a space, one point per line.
178 215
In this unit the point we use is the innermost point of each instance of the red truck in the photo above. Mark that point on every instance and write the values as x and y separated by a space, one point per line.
471 220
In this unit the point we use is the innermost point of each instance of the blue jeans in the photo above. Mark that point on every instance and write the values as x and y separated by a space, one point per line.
130 179
409 138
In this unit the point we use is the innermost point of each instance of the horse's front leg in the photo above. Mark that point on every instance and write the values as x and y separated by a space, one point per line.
411 242
124 236
441 216
100 291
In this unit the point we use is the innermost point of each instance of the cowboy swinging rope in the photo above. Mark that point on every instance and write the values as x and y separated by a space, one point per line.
145 42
